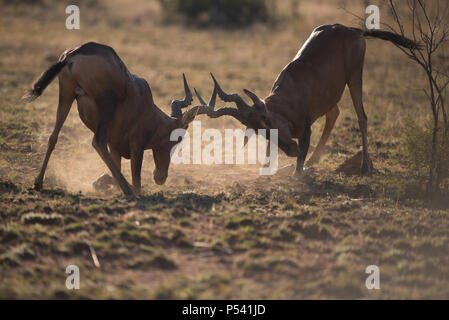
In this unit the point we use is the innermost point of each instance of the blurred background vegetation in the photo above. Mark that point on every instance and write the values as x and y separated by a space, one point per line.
228 13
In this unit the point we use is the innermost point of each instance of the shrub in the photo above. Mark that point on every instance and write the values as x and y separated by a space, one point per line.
417 143
221 12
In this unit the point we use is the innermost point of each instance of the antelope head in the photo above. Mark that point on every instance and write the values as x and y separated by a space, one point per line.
161 143
255 116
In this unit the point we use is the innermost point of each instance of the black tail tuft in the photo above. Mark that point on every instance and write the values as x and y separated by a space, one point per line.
43 81
394 38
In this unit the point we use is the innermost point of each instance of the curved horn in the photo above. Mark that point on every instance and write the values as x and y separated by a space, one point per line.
241 113
177 105
189 116
243 107
203 103
212 100
259 104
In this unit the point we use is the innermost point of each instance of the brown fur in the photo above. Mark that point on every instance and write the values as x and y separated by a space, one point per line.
311 85
114 104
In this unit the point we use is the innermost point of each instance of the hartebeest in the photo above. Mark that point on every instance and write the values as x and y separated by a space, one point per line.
118 107
309 87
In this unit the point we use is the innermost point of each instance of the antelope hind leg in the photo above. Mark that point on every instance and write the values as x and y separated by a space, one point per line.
66 97
355 88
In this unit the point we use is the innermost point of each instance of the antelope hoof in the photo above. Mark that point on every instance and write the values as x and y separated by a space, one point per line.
367 167
137 190
128 191
308 169
129 195
303 173
104 182
38 185
298 173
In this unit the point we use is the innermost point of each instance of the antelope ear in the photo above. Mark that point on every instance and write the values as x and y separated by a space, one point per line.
258 103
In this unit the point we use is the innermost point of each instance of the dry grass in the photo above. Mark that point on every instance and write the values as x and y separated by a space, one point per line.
210 231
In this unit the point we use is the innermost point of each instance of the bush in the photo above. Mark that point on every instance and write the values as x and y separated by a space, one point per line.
417 143
221 12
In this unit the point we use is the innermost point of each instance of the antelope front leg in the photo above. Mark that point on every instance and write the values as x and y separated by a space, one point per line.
267 156
136 168
106 180
100 145
331 117
304 143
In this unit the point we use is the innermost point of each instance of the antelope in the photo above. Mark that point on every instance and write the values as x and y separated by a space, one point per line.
117 107
310 86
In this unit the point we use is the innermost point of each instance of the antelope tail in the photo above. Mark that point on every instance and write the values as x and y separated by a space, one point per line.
394 38
43 81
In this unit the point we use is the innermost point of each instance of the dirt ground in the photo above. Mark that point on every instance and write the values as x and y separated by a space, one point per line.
212 231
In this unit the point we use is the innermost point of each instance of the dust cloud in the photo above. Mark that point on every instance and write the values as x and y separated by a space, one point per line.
75 165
